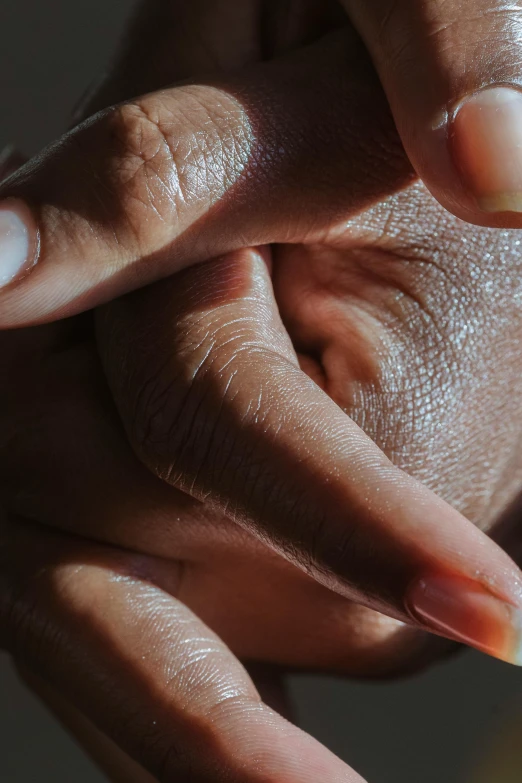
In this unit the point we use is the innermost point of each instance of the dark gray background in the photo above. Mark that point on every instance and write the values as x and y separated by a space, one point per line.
430 729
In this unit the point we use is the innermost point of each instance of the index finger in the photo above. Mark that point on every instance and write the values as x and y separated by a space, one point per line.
146 188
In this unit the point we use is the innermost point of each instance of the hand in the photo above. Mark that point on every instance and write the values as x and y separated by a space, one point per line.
450 70
244 429
101 626
81 468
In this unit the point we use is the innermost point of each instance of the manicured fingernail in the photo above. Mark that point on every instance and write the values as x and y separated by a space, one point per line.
486 141
468 613
17 241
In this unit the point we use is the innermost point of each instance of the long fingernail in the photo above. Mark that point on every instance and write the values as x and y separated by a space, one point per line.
17 241
486 142
468 613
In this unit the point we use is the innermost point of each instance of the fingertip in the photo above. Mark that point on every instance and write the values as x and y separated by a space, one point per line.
467 612
485 142
471 157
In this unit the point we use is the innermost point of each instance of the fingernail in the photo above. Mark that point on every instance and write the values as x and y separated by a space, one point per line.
486 142
17 243
468 613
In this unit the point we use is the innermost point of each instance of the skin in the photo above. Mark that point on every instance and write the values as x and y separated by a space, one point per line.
376 308
218 167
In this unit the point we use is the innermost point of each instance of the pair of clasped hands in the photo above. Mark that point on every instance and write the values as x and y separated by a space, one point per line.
261 390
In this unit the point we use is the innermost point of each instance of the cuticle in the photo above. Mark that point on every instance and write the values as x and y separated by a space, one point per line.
454 107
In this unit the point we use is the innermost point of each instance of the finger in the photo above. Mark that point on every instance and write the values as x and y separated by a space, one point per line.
117 765
141 667
451 71
65 463
100 490
178 40
148 187
214 402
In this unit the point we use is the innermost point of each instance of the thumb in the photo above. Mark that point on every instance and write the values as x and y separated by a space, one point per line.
451 71
148 187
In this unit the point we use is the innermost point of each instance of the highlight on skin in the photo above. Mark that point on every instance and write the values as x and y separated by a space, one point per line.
135 164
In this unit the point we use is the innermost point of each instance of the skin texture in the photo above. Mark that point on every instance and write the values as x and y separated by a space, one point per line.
216 167
430 56
375 307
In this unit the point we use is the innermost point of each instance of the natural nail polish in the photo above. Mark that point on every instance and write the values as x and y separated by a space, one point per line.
17 245
468 613
486 142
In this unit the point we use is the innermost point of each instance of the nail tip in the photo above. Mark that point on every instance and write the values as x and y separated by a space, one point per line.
516 658
501 202
512 652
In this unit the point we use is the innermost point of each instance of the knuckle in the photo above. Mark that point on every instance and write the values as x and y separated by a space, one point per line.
166 758
458 33
183 414
170 151
156 410
169 418
141 171
139 137
173 755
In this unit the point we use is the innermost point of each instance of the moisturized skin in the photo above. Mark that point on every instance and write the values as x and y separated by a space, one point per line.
407 319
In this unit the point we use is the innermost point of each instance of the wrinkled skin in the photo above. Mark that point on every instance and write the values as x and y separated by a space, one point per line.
443 297
405 316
